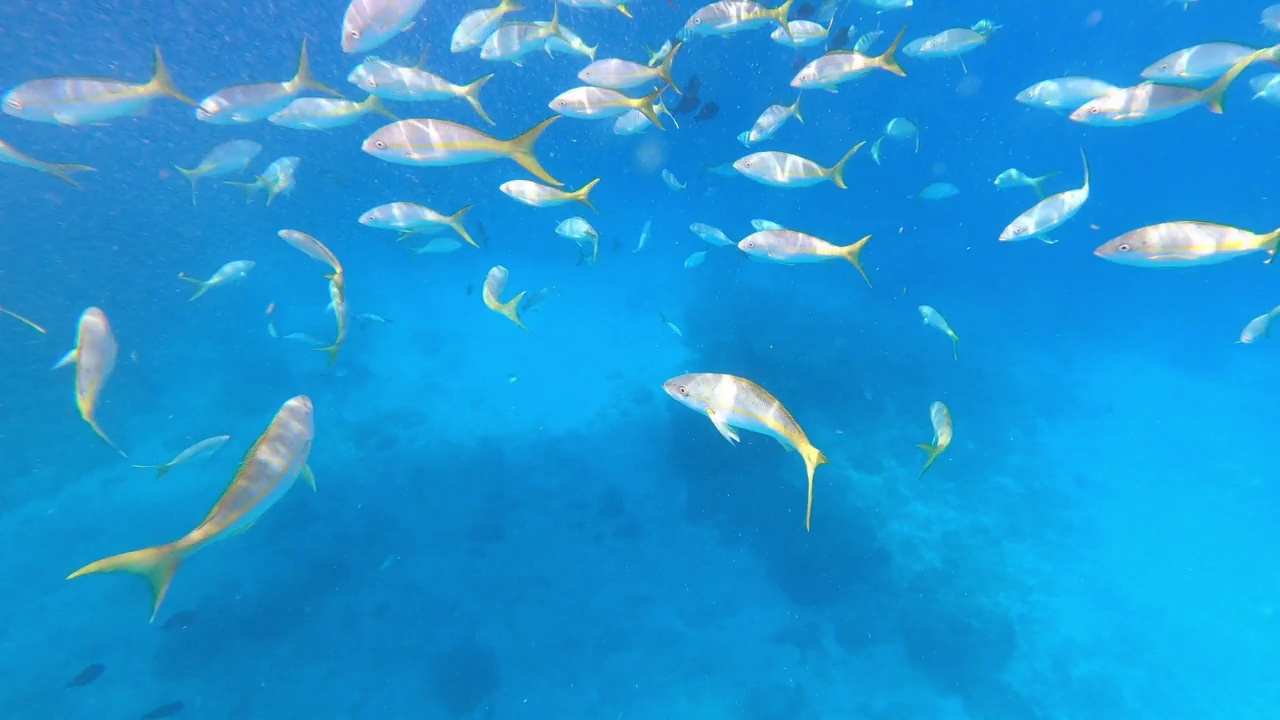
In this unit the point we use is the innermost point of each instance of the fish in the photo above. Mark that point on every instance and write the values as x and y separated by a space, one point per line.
731 16
875 149
933 318
567 41
257 101
535 195
771 121
706 112
180 620
1149 102
494 284
369 24
29 323
1186 243
940 416
884 5
801 34
338 304
1266 87
670 180
687 104
657 56
536 299
390 81
644 235
581 232
693 85
599 5
617 74
633 122
229 273
430 143
311 113
1259 327
477 25
229 158
789 247
512 41
1200 64
1271 18
312 248
837 39
937 191
1049 214
1065 94
588 103
438 246
952 43
278 179
63 171
267 472
164 711
866 40
87 675
1013 177
95 358
695 260
372 319
672 326
785 170
841 66
203 449
412 219
762 224
901 128
713 236
734 402
89 100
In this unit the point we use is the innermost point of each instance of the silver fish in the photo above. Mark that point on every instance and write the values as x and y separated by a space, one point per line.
257 101
1197 65
87 100
368 24
1049 214
1186 244
390 81
431 143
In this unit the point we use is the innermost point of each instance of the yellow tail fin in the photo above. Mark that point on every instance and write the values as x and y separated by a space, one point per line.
1215 96
795 110
837 172
520 150
93 423
332 350
193 176
622 8
472 95
511 310
373 104
161 470
664 70
645 106
455 222
812 459
779 15
583 194
888 60
157 565
934 452
250 189
203 287
162 84
853 253
63 171
304 80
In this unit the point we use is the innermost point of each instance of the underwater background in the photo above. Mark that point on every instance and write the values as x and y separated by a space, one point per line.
513 525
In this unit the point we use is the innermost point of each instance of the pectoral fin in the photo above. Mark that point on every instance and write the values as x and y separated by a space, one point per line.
723 428
309 477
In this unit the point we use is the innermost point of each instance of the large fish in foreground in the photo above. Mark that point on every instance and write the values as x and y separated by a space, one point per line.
89 100
1186 244
95 358
265 475
427 142
734 402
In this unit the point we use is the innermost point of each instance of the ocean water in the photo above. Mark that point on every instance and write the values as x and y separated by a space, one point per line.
523 525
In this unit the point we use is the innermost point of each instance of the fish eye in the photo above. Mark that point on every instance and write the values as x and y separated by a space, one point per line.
1164 66
696 21
372 82
353 34
380 145
751 243
1020 230
1124 247
682 390
1094 110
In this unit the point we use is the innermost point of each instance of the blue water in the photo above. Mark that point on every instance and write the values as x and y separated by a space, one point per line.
514 525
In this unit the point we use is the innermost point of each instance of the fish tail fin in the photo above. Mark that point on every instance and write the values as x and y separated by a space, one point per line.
553 27
304 80
250 189
25 321
162 84
955 345
193 176
373 104
202 286
1271 242
795 110
93 423
853 253
273 193
72 356
471 93
520 150
888 60
622 8
156 565
583 194
664 69
509 6
161 470
332 351
779 15
934 451
511 310
645 106
813 457
63 172
1085 159
837 172
1038 183
1215 96
455 221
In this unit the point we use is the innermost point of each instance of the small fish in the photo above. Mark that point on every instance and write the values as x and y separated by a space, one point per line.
439 246
695 260
164 711
1259 327
903 129
590 103
644 235
429 143
369 24
536 299
1064 95
29 323
731 16
312 248
89 101
229 158
476 26
801 34
706 112
1271 18
693 85
229 273
1266 87
581 232
371 318
671 181
955 43
95 358
863 44
568 41
771 121
687 104
733 402
280 178
634 122
203 449
390 81
599 5
535 195
841 66
657 56
304 339
63 171
933 318
1013 177
494 285
338 304
87 675
1197 65
311 113
1186 244
712 235
762 224
617 74
411 219
251 103
1049 214
875 149
512 41
785 170
885 5
940 416
788 247
938 191
670 325
266 474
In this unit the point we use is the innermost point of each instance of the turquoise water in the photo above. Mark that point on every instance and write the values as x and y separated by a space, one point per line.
513 525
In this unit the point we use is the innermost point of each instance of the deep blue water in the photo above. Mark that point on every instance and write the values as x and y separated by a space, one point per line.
1098 542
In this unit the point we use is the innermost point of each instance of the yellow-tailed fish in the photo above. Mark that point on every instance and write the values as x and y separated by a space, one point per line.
1201 64
592 103
229 158
533 194
772 120
1186 243
280 178
1013 177
953 43
1150 102
312 248
368 24
267 472
734 402
411 219
512 41
1050 213
599 5
390 81
580 231
29 323
731 16
785 170
229 273
933 318
428 142
1064 95
95 357
941 418
494 285
87 101
12 156
257 101
789 247
203 449
617 74
312 113
1258 327
338 304
711 234
476 26
567 41
841 66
